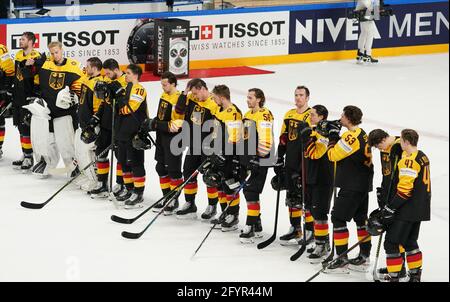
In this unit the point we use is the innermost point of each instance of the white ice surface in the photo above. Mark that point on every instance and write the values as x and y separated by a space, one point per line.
73 239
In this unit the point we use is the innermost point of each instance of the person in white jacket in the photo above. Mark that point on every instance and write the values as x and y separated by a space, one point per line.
367 13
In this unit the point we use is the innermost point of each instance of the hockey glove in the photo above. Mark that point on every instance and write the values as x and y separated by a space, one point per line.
253 165
66 98
279 166
148 125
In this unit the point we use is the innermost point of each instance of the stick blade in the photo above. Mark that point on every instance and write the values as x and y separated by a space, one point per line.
266 243
299 253
129 235
34 206
121 220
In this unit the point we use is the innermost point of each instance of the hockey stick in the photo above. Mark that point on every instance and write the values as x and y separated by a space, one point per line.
111 160
331 255
131 220
325 266
302 249
175 195
272 238
41 205
374 272
5 109
222 215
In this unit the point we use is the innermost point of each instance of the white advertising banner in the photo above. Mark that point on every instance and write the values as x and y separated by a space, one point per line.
213 37
239 35
81 40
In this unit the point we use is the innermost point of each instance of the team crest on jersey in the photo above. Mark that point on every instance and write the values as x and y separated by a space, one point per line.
198 115
56 80
83 95
162 110
387 165
247 125
293 130
19 75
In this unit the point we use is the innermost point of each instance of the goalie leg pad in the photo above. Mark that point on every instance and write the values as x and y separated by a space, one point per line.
84 154
64 137
40 136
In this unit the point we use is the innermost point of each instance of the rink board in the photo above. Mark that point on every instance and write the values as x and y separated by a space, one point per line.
254 36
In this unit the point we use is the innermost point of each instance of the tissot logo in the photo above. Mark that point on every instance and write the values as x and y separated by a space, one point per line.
237 30
15 41
206 32
71 39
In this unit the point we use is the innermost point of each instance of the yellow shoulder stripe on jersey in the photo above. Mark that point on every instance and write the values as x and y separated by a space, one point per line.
317 148
409 170
346 146
6 62
137 97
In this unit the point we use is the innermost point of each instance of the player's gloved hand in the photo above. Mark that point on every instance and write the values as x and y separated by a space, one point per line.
305 134
116 89
217 161
333 132
148 125
279 166
322 128
253 165
66 98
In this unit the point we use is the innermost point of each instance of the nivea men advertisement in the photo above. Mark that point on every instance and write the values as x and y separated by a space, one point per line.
331 30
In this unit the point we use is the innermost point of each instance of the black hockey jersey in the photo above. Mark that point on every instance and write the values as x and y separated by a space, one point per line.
53 78
354 161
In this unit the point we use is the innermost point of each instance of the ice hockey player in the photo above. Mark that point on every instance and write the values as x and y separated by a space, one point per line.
224 172
390 155
59 83
6 79
290 156
86 135
354 177
366 8
258 148
167 125
319 181
403 214
131 111
197 107
25 61
114 81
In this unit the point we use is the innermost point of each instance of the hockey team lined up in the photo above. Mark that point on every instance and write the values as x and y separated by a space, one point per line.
65 111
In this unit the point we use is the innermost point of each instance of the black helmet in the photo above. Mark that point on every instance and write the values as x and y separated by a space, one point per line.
88 135
279 181
141 141
212 178
374 225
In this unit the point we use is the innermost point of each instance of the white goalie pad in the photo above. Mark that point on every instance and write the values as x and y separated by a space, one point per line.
84 155
64 137
43 141
38 107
